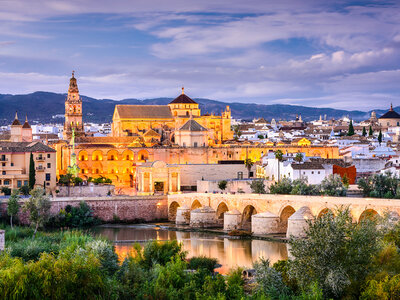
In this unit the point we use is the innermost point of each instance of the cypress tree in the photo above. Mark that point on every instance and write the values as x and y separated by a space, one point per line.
364 133
32 173
380 136
351 129
370 131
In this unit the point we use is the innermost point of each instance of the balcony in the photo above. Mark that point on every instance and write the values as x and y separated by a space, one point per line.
40 158
40 169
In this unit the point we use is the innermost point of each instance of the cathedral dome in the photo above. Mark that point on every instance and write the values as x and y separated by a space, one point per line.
182 98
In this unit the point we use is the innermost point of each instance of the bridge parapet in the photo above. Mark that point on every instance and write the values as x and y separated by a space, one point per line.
283 205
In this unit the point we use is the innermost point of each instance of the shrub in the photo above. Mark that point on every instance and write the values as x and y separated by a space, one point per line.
380 186
337 254
222 185
269 280
160 253
202 262
74 217
24 190
333 186
284 186
6 190
257 186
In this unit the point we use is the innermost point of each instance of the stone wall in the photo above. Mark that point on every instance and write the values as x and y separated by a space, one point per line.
138 208
86 190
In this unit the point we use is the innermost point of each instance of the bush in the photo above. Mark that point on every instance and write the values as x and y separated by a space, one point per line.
333 186
202 262
337 254
258 187
160 253
222 185
6 191
269 280
24 190
284 186
380 186
74 217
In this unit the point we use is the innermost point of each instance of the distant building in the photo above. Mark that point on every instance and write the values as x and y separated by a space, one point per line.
390 118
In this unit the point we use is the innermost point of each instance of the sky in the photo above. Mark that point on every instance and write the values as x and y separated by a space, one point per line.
321 53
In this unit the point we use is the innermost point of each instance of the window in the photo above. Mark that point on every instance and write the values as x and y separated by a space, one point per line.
4 172
195 144
3 164
304 173
48 165
48 176
48 155
25 182
19 183
12 164
312 172
319 172
6 182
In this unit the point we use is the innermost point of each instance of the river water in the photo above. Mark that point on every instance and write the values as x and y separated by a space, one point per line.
230 253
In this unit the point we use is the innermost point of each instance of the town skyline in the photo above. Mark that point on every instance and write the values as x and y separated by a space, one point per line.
314 54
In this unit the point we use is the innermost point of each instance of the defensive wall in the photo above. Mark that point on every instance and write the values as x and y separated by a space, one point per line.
124 208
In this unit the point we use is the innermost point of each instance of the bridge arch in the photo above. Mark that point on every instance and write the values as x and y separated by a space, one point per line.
324 211
368 214
284 215
248 211
195 204
173 207
221 209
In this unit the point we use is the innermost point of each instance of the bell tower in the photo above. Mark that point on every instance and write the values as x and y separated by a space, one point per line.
73 111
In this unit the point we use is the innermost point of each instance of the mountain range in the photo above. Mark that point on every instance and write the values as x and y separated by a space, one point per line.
45 107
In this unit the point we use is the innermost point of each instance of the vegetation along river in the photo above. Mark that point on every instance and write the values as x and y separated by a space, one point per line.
229 252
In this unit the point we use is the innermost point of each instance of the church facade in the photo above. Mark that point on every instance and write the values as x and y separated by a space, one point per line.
175 134
136 120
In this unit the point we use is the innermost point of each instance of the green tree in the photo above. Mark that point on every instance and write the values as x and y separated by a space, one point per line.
336 253
299 158
222 185
279 157
333 186
346 181
260 136
12 205
38 207
350 132
371 132
257 186
248 164
364 132
32 172
380 136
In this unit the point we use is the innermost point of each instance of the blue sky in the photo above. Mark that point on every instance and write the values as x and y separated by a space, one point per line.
341 54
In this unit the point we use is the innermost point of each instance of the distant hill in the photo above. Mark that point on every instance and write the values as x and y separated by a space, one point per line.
42 106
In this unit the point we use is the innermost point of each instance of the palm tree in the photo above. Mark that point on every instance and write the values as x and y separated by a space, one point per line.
279 157
248 163
299 158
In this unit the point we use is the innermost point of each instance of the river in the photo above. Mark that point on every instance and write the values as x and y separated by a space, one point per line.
230 253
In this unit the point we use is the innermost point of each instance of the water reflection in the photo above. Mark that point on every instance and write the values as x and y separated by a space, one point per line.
230 253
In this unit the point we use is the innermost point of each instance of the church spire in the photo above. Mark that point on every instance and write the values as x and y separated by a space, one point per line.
391 106
73 86
16 121
183 91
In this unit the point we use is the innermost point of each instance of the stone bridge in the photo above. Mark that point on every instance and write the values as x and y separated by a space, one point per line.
269 214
